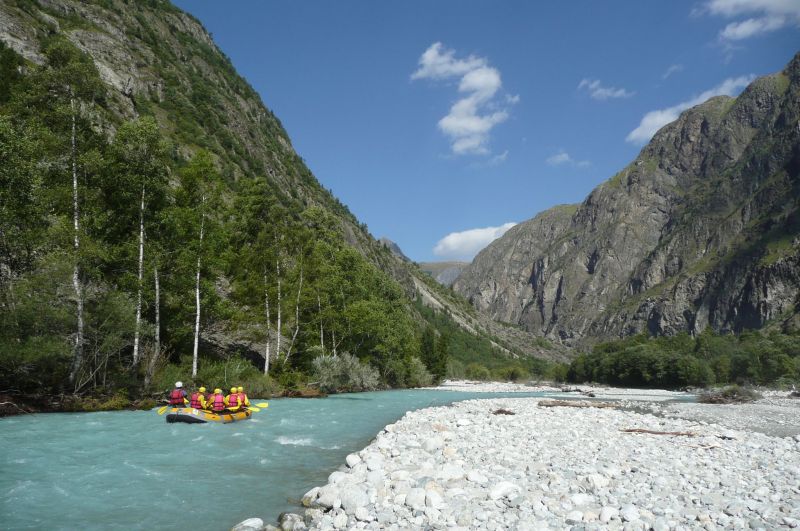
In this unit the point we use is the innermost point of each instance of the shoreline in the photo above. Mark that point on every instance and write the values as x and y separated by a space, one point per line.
464 467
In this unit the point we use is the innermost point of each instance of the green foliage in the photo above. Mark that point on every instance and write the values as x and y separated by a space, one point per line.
343 373
681 360
475 371
222 374
729 394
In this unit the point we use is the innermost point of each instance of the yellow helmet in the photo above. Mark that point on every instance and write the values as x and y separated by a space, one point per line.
240 389
233 389
202 389
217 390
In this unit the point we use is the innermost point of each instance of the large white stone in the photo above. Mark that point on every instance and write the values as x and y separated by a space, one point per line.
353 497
352 460
433 444
328 496
251 524
433 499
607 513
415 498
629 513
340 521
502 489
448 472
362 514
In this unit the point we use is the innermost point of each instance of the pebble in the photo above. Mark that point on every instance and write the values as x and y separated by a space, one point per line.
557 468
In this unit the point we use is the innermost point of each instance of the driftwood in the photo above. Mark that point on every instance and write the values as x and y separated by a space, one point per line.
651 432
502 411
569 403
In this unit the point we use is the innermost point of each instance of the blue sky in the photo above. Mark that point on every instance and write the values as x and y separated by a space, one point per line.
442 123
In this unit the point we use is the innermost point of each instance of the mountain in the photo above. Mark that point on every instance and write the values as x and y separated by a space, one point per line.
394 248
701 230
130 132
445 273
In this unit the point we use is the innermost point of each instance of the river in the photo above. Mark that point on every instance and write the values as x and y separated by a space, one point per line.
131 470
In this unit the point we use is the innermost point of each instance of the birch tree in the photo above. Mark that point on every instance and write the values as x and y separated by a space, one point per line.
197 212
141 166
57 98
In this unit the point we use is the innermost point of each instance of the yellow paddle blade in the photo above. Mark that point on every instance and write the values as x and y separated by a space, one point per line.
162 409
263 404
254 409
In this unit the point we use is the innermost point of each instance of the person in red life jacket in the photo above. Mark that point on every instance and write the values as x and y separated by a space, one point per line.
198 399
177 397
243 400
216 402
232 400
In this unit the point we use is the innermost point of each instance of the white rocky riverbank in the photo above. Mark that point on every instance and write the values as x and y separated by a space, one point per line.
464 467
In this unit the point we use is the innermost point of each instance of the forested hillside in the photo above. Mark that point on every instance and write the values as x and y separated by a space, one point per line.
156 224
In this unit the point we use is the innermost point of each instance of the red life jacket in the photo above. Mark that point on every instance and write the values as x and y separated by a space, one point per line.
218 402
195 400
242 396
176 397
233 401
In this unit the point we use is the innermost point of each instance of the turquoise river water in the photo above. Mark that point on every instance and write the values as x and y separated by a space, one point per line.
131 470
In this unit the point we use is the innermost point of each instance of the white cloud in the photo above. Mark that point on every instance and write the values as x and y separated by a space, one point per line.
439 63
764 16
655 120
562 157
499 159
673 69
737 31
468 124
598 92
466 244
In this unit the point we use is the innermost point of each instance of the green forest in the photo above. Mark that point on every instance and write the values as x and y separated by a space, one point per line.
752 357
127 265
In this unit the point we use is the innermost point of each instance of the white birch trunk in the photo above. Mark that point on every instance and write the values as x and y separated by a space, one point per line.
77 360
158 312
333 342
197 292
280 334
139 290
296 319
266 304
321 332
151 366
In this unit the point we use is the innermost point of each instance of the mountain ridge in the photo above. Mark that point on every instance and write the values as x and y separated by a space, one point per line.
662 246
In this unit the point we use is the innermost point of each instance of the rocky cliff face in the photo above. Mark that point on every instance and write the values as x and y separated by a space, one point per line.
701 230
445 273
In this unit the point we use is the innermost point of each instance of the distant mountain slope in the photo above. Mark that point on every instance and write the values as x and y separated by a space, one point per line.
701 230
445 273
392 246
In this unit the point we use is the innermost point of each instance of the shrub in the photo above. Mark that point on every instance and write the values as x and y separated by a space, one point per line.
455 370
475 371
418 375
343 373
728 395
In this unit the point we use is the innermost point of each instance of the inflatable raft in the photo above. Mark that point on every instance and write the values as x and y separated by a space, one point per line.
195 416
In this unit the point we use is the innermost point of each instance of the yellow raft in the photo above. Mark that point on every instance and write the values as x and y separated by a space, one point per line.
191 415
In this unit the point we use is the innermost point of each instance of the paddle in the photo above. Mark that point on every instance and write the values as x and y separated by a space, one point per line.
162 409
254 409
263 404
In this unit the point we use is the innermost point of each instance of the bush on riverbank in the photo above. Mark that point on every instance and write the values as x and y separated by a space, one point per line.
680 361
344 373
222 374
732 394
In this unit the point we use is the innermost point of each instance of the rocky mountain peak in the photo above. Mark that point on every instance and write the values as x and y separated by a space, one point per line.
694 233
